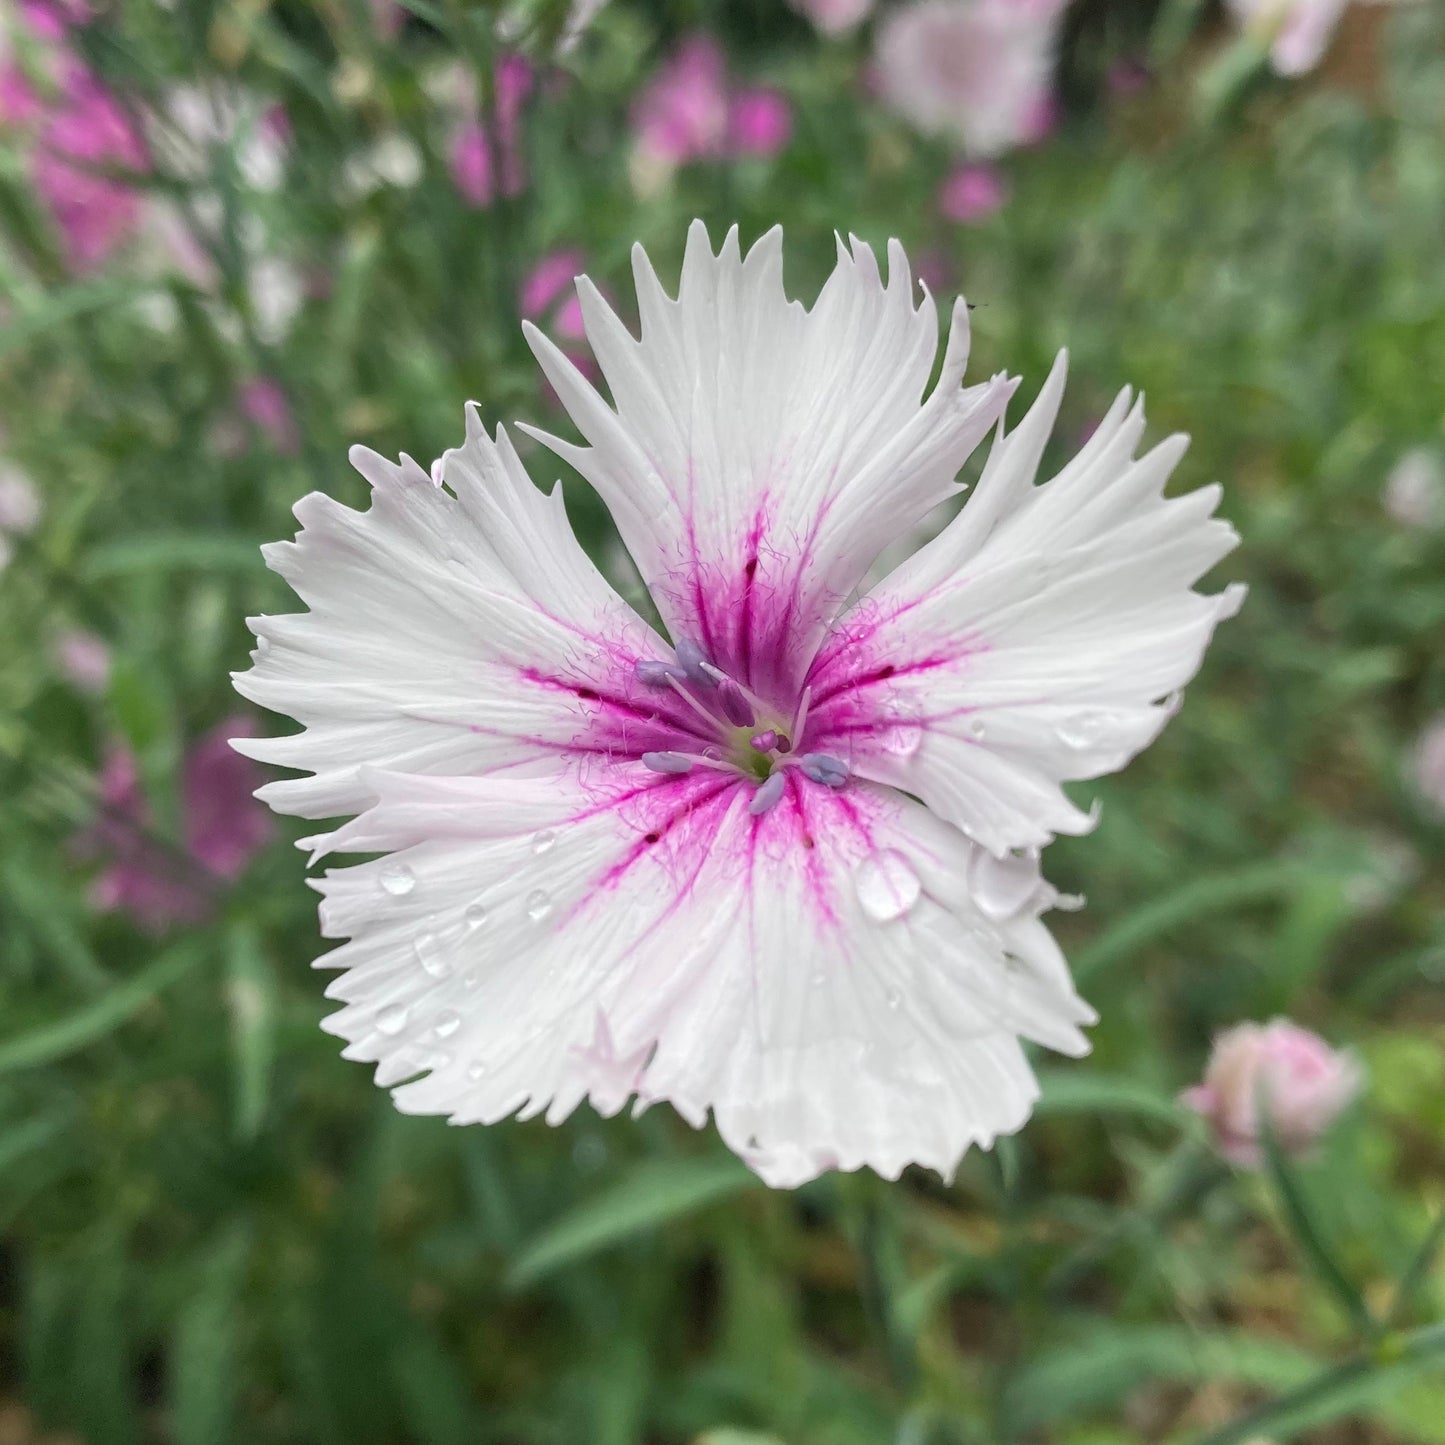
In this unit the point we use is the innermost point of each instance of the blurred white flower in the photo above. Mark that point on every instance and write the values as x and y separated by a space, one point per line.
833 17
1296 32
977 71
393 160
195 121
1429 764
83 659
1302 1082
20 505
783 868
1415 489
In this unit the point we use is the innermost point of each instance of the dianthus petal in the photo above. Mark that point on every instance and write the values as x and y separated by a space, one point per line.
822 977
761 454
1037 640
454 627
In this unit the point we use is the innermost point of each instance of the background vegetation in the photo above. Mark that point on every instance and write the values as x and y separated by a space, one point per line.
214 1230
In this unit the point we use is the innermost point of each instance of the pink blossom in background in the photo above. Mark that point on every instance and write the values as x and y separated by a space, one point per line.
83 659
1297 32
681 115
225 827
977 71
1415 489
19 104
50 19
1128 76
387 18
1294 1074
934 270
833 17
548 279
472 163
86 132
971 192
760 123
141 877
689 111
264 402
1429 765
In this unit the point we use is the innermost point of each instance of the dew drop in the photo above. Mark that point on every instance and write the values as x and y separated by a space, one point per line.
432 955
447 1024
476 1069
819 979
887 885
712 754
1003 887
475 914
1083 729
397 879
471 980
392 1019
893 999
539 904
544 842
977 729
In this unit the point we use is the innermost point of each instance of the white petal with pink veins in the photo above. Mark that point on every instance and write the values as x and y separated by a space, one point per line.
668 944
1038 639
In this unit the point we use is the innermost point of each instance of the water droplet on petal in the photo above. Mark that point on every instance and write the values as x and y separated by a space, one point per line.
893 999
1003 887
539 904
396 879
887 885
392 1019
447 1024
432 955
977 729
544 842
819 979
476 1069
471 980
1084 729
475 914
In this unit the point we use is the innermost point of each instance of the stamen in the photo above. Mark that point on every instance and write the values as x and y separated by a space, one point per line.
667 762
676 685
736 708
651 673
693 663
822 768
768 793
764 742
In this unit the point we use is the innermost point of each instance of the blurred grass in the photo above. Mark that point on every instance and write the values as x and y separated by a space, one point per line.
214 1230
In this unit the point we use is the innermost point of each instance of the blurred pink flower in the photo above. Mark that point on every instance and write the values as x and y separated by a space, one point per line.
83 135
1294 1074
1128 76
264 403
387 18
548 279
760 123
477 174
19 104
977 71
1429 764
83 659
682 113
1297 32
50 19
833 17
689 111
971 192
224 827
1415 489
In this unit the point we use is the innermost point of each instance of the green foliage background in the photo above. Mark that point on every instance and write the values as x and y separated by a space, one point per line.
214 1230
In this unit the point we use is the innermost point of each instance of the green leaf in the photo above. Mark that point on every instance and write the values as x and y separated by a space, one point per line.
66 304
170 552
649 1194
1082 1091
206 1369
251 999
49 1042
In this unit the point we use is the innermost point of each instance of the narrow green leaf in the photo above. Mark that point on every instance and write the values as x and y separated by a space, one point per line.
1082 1091
66 304
650 1194
57 1040
170 552
251 999
1418 1268
1197 899
205 1360
1302 1224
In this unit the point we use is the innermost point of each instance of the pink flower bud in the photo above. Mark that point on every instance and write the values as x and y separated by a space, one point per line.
1293 1073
